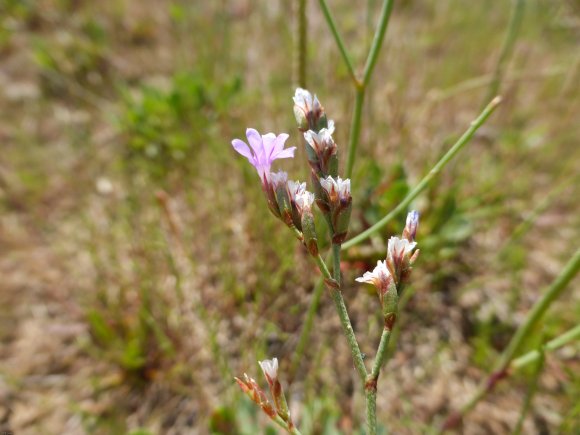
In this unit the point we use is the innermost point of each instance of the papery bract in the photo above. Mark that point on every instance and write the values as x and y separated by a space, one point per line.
380 277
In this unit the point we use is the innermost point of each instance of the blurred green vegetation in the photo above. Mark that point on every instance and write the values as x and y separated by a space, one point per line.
117 176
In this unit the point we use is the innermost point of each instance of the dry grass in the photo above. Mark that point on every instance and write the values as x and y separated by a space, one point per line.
206 282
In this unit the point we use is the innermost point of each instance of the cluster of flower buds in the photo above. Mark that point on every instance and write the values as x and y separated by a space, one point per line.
331 192
322 151
308 111
391 274
254 392
335 200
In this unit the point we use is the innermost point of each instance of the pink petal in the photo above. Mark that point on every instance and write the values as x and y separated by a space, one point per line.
279 143
285 154
241 147
269 145
255 141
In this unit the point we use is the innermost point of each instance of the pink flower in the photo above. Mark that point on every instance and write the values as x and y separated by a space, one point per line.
263 150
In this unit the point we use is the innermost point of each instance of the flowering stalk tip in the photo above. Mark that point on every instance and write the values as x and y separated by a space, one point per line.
304 205
336 201
411 226
308 111
251 388
270 369
322 151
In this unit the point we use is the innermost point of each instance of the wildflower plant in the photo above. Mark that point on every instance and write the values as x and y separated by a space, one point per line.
293 204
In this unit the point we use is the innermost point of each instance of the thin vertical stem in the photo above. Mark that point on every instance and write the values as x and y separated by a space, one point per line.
377 41
371 405
338 39
532 388
506 51
302 43
347 328
353 139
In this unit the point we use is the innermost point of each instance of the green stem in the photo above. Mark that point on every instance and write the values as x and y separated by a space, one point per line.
338 300
294 431
302 43
552 293
339 41
371 385
349 332
533 318
550 346
377 41
449 155
336 262
381 352
511 35
533 387
371 405
353 139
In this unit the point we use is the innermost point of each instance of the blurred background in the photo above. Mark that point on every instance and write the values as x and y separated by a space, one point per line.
140 269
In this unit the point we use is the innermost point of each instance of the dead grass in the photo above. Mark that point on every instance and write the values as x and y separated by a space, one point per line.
80 229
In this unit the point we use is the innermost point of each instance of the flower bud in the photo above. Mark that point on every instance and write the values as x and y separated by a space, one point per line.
308 111
304 203
270 369
251 388
411 226
270 195
322 151
340 202
295 189
279 182
399 258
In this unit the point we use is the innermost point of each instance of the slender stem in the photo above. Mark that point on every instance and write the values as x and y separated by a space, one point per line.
353 139
322 266
371 405
336 262
336 295
349 332
449 155
532 388
552 293
294 431
339 41
302 43
501 368
511 35
377 41
550 346
381 352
